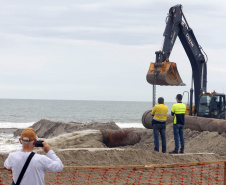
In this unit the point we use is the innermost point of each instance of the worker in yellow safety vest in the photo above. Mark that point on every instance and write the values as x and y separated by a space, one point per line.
178 111
159 124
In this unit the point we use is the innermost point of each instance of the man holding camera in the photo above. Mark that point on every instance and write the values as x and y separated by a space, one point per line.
35 172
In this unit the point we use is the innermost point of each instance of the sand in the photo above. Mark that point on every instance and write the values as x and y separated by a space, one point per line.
82 145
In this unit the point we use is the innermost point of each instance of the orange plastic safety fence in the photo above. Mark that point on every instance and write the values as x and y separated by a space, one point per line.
195 173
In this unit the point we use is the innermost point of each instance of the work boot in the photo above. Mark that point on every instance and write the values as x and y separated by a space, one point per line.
181 152
173 152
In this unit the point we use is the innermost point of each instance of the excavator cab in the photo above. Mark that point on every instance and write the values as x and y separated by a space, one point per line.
212 105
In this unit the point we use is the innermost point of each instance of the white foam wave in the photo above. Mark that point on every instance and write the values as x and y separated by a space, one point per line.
8 143
130 125
15 125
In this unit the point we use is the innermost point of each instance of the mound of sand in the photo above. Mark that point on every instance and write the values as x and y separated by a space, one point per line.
82 144
195 141
47 129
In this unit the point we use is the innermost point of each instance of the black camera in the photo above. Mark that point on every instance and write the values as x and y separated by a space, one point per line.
38 144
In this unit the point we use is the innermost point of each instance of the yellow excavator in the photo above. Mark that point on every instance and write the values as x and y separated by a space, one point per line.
164 72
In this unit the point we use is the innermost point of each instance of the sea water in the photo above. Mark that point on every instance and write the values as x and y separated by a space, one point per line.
22 113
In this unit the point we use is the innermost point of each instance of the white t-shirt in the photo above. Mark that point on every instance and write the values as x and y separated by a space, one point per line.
35 172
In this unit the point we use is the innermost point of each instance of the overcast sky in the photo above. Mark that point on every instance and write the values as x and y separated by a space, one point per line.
101 50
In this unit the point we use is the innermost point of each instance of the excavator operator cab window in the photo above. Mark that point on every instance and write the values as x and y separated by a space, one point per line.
222 102
215 106
218 105
204 105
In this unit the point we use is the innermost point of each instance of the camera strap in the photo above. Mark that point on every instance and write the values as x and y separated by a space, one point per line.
24 168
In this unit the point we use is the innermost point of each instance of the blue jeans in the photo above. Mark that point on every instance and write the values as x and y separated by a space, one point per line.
178 131
159 128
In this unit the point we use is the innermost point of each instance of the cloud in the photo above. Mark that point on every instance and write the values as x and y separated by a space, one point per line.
99 49
136 23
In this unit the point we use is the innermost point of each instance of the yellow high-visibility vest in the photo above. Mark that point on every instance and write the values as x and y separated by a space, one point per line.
178 110
160 112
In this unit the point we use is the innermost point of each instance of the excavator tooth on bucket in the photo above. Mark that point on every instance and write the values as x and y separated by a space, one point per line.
165 73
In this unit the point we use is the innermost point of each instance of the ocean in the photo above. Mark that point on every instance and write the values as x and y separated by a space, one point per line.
22 113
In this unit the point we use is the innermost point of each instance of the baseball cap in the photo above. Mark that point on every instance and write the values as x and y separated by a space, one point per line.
28 134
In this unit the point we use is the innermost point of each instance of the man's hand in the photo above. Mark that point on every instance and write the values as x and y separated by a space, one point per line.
46 147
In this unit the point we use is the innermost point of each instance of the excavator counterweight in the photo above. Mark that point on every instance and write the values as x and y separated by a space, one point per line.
164 73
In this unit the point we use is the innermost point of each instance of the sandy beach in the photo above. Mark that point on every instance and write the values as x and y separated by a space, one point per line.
82 145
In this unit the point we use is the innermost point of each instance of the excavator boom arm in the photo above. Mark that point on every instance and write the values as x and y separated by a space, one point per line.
176 25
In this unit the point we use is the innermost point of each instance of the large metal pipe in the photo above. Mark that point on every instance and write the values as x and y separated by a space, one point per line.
205 124
192 122
147 119
122 137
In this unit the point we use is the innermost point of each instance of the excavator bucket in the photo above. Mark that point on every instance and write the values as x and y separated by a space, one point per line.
164 73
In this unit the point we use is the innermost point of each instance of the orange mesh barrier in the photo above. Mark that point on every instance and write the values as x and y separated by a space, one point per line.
190 173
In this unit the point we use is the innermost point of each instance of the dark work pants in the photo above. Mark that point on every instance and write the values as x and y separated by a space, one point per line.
159 129
178 131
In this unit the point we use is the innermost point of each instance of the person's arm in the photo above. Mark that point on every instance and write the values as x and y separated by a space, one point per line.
52 161
173 110
153 111
7 163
